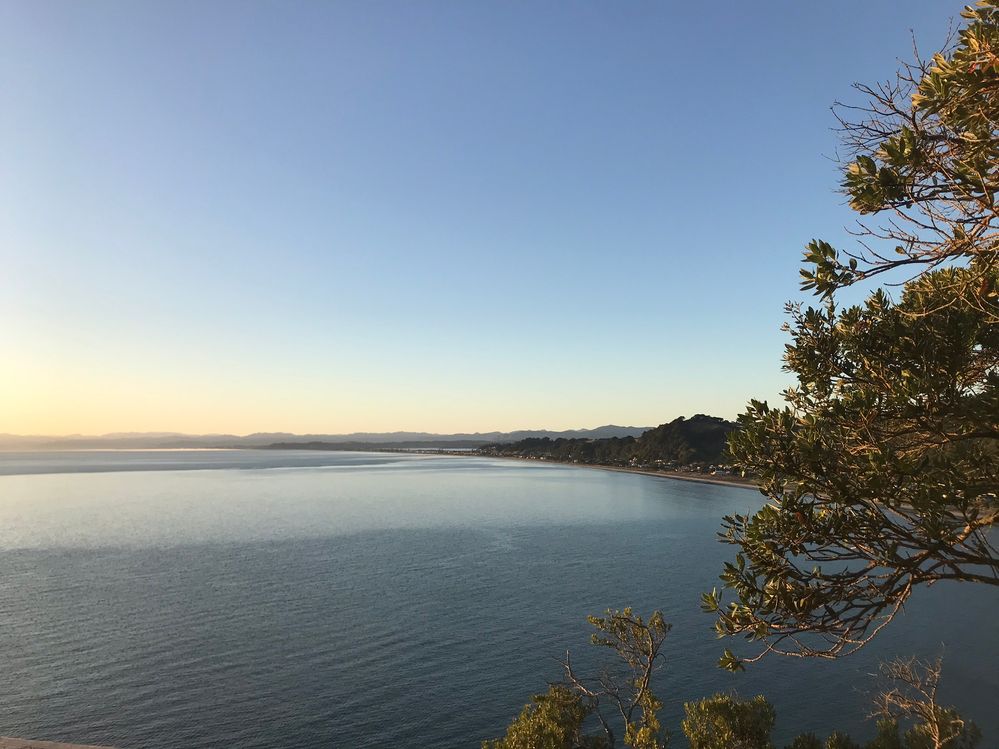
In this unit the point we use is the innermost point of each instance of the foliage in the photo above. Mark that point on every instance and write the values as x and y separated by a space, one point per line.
699 439
610 451
887 736
556 719
924 151
908 694
882 471
723 722
553 721
638 644
805 741
912 694
840 740
922 736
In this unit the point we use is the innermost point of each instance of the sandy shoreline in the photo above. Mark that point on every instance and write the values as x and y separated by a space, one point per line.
699 478
735 481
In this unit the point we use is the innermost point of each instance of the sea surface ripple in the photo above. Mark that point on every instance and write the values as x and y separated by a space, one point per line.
256 599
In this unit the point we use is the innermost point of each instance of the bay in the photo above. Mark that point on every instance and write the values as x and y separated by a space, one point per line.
186 599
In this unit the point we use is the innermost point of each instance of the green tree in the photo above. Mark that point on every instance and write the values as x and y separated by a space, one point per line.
723 722
615 698
805 741
840 740
911 694
552 721
882 471
887 736
638 644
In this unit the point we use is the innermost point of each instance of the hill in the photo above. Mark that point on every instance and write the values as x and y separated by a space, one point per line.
699 440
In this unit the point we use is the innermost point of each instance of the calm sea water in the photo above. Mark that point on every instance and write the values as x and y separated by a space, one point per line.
303 599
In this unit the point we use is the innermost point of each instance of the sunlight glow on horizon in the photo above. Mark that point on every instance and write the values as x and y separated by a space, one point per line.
62 408
436 217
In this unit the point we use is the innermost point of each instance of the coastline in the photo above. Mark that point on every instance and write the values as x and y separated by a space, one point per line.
9 743
699 478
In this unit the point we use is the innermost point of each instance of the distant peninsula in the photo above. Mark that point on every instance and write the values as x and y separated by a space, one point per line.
682 448
697 445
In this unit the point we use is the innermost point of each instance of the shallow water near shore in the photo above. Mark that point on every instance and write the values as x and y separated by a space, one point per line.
195 599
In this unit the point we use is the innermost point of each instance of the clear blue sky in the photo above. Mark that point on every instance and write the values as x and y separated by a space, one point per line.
444 216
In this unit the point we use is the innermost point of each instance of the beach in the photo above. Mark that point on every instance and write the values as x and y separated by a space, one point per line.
700 478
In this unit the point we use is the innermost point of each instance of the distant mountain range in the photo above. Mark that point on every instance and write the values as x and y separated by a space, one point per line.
175 440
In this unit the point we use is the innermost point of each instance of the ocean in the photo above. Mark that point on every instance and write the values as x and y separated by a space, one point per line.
241 598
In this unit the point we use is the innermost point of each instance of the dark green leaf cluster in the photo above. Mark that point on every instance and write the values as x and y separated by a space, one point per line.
552 720
920 736
610 451
926 150
908 694
698 440
889 737
723 722
882 469
638 644
616 702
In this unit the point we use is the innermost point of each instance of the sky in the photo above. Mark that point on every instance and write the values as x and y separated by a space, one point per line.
326 217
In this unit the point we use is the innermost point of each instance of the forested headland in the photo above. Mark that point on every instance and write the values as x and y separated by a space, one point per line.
695 444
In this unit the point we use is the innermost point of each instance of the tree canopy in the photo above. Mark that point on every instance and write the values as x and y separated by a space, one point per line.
617 698
910 715
701 439
882 469
721 722
553 720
